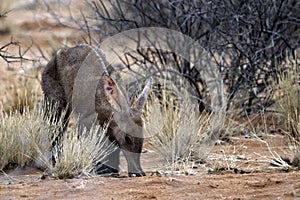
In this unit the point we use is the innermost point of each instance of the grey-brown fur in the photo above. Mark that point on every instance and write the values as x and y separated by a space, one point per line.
126 126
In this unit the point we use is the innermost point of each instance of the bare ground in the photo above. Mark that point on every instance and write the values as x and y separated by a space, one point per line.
243 174
260 185
238 169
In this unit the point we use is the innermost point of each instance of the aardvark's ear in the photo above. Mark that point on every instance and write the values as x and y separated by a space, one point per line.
141 100
113 94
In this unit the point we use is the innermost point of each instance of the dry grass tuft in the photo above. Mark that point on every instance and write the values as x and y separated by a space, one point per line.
20 96
22 91
178 131
288 101
80 152
26 140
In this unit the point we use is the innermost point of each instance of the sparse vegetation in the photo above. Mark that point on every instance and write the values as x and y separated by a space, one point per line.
26 139
179 131
246 38
288 101
247 42
81 151
21 95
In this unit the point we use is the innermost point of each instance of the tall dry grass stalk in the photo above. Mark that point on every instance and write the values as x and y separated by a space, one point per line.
289 106
290 102
26 139
81 151
178 131
23 93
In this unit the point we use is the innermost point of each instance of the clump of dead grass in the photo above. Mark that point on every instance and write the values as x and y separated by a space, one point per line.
22 93
288 102
20 98
179 132
81 151
26 140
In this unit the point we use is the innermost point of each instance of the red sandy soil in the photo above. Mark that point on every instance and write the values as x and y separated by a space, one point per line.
239 168
249 177
228 186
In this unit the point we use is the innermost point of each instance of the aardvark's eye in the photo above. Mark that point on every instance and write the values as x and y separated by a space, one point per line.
128 139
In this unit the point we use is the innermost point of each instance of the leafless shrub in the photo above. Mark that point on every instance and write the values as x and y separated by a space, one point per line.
7 51
247 38
9 57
